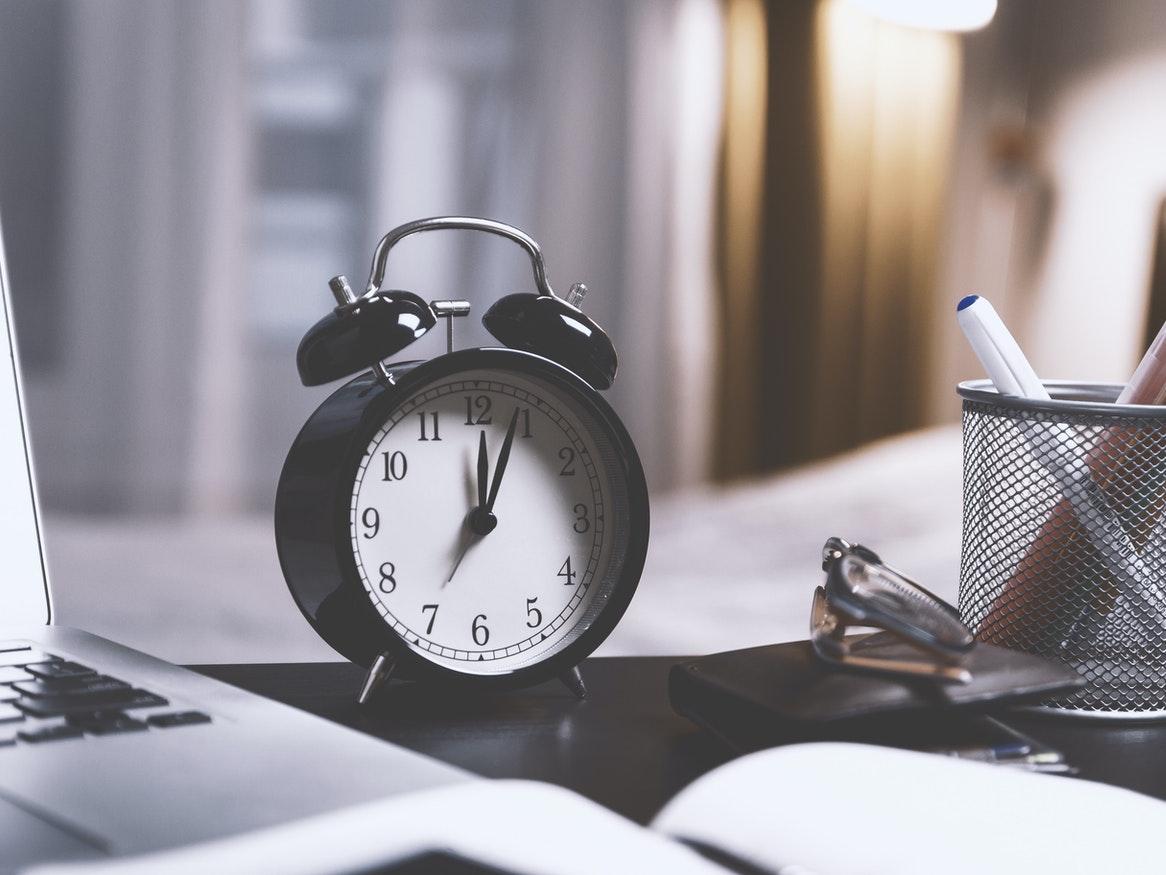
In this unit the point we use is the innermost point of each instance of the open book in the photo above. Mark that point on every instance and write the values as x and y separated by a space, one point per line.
810 809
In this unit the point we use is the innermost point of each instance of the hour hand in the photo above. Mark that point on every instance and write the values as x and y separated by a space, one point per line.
483 469
480 520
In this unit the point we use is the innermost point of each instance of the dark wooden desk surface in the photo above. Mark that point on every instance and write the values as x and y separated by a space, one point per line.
623 746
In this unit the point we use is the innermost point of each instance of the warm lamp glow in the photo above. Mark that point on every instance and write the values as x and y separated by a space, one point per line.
932 14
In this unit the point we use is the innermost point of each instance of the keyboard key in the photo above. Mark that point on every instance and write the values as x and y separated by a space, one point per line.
24 657
8 713
60 670
7 738
178 718
73 687
110 725
93 718
10 674
51 733
7 694
64 706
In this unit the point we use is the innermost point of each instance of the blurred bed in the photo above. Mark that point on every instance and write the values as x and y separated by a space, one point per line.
727 567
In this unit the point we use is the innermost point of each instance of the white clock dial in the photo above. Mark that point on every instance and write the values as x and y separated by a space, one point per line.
473 598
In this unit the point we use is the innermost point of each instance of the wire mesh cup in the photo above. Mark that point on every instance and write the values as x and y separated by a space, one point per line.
1064 538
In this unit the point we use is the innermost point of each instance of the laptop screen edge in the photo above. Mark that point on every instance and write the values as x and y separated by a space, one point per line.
23 607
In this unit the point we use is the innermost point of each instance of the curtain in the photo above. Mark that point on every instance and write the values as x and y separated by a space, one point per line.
831 223
133 409
669 264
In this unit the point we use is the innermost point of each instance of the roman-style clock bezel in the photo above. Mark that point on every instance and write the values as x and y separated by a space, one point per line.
316 551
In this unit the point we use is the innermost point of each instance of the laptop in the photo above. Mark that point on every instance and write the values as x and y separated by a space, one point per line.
105 751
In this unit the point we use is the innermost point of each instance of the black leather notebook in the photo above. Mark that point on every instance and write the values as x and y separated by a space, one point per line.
780 693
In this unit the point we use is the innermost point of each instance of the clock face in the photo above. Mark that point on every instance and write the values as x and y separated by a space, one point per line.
482 520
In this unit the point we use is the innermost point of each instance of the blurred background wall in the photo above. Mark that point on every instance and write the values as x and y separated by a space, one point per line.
181 180
775 205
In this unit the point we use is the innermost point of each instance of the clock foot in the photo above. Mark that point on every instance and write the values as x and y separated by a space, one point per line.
573 680
381 671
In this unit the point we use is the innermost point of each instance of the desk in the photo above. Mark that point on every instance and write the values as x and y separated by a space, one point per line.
623 746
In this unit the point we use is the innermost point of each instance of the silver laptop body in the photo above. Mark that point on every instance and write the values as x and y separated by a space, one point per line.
85 775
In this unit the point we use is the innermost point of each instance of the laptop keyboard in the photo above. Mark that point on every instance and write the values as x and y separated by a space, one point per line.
45 698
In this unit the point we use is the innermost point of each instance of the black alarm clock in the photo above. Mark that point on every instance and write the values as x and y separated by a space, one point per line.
478 519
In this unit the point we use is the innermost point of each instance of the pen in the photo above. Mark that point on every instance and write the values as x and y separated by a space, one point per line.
1148 384
997 349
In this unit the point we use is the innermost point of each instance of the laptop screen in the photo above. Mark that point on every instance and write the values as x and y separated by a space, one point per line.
24 596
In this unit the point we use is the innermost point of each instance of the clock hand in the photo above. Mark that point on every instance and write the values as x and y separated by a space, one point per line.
500 467
470 541
483 469
479 521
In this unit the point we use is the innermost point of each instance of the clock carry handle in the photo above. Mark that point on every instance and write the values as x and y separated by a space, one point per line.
366 329
542 323
457 223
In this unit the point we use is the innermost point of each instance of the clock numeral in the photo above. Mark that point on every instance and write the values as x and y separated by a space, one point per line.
582 520
396 465
566 572
478 410
567 454
371 519
479 631
432 414
524 418
432 617
534 617
388 582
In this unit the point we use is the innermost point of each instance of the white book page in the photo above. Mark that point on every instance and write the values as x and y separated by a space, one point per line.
842 809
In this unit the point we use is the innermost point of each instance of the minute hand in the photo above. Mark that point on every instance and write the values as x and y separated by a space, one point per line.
503 458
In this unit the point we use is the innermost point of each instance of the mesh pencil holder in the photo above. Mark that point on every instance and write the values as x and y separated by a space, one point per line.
1064 538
